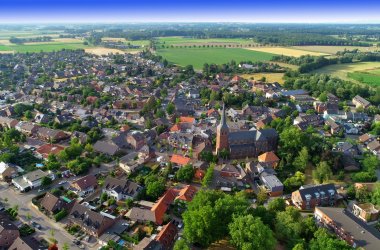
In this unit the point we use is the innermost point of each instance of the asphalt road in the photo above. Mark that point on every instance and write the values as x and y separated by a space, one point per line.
23 201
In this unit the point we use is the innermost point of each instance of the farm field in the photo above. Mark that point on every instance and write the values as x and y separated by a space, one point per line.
286 51
185 41
54 46
333 49
133 42
100 51
354 72
270 77
199 56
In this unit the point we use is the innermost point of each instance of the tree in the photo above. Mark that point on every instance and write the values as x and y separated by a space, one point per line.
262 197
322 172
170 108
376 194
209 175
362 194
208 215
181 245
288 226
46 181
250 233
277 205
154 186
295 181
323 240
185 173
65 246
301 161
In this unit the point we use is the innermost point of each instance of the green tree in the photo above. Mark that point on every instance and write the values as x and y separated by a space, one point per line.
209 175
262 197
376 194
170 108
323 240
294 182
181 245
322 172
250 233
288 226
301 161
154 186
46 181
185 173
277 205
208 215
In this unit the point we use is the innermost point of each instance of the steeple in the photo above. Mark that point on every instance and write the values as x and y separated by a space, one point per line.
223 122
222 132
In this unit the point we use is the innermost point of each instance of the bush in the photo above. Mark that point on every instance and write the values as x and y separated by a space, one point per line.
60 215
364 177
26 230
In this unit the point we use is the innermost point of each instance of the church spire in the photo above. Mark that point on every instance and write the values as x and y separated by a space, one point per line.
223 122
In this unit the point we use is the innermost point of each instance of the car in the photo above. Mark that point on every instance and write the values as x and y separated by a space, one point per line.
62 182
76 242
40 190
2 208
36 225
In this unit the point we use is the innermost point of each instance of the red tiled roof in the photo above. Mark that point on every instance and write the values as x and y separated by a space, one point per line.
167 235
187 193
180 160
187 119
268 157
175 128
199 174
159 209
47 149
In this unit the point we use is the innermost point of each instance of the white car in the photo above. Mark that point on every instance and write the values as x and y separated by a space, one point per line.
62 182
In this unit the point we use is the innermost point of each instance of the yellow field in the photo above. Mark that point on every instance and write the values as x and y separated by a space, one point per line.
270 77
286 65
333 49
103 51
286 51
6 52
5 42
67 40
113 39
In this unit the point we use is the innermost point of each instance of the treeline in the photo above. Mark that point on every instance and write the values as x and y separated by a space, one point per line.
244 67
309 63
317 84
16 40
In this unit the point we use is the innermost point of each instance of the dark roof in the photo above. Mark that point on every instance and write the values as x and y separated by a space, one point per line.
311 190
364 235
125 187
106 147
86 182
26 243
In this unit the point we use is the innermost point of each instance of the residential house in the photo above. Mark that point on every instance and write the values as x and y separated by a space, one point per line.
273 185
136 139
166 237
27 128
347 227
107 147
84 185
359 101
93 223
45 150
31 180
121 189
51 135
374 147
180 160
27 243
308 197
7 172
304 121
366 212
269 159
7 122
8 233
53 204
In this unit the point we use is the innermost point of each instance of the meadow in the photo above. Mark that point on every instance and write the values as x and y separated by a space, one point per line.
270 77
354 72
187 41
287 51
46 47
199 56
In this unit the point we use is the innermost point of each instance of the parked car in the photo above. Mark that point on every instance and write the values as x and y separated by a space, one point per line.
36 225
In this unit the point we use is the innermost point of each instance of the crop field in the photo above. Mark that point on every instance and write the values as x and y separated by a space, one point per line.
100 51
362 72
287 51
333 49
177 41
142 43
54 46
199 56
270 77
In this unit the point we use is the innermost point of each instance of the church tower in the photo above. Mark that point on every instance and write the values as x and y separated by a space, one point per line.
222 132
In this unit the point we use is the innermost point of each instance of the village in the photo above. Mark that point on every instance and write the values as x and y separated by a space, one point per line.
102 150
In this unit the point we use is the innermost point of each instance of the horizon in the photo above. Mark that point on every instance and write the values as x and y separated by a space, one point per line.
242 11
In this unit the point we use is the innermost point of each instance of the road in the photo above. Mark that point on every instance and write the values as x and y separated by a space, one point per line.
23 201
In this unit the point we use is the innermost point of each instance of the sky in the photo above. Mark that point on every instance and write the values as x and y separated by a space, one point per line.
252 11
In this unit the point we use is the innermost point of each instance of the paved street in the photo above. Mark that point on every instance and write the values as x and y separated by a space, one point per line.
23 201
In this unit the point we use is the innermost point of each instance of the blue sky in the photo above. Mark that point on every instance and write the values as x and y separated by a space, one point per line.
304 11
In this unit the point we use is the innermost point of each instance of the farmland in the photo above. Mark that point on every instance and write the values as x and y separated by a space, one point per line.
46 47
286 51
363 72
333 49
199 56
270 77
184 41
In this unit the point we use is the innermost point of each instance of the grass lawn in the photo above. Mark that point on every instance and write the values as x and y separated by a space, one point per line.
366 77
342 71
199 56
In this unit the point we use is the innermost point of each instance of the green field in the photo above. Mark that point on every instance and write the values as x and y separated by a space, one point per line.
367 77
187 41
362 72
199 56
22 48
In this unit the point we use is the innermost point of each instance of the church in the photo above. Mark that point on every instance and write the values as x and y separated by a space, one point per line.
242 144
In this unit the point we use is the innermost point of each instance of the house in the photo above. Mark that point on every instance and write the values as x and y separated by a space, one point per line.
347 227
31 180
304 121
269 159
8 233
374 147
107 147
53 204
308 197
366 212
334 127
366 138
121 189
93 223
27 243
84 185
229 170
130 162
51 135
148 244
7 122
180 160
187 193
359 101
136 139
167 235
45 150
350 129
27 128
7 171
273 185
